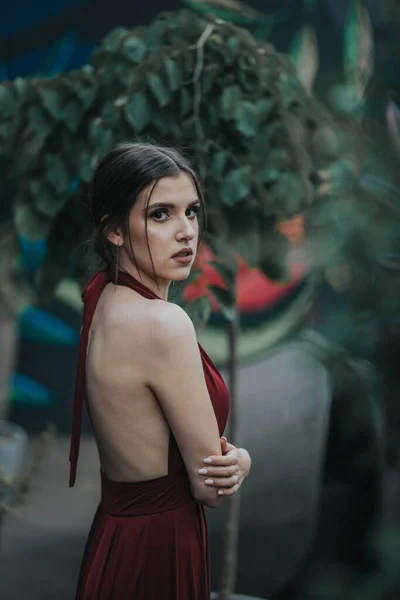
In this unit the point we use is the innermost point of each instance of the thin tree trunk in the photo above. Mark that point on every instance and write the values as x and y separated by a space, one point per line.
230 549
8 350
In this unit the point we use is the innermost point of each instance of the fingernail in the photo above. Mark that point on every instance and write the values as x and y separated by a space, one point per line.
209 481
202 471
220 493
208 461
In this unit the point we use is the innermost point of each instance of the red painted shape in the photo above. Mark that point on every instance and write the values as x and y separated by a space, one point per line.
255 291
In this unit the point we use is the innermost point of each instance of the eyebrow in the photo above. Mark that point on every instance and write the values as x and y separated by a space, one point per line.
167 205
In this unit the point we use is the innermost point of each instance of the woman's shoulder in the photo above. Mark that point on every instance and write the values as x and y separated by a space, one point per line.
156 318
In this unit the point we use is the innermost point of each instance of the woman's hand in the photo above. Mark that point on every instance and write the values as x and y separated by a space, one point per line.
226 472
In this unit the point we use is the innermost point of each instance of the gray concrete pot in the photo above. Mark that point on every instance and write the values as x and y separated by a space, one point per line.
13 443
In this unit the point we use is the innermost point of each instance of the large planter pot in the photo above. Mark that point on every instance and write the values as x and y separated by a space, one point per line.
214 596
13 443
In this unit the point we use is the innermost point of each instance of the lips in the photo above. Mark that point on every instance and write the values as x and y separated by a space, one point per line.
183 252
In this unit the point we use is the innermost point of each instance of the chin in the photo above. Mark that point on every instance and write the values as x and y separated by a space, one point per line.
184 274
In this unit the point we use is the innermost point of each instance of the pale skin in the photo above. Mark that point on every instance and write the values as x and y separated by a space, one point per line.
166 337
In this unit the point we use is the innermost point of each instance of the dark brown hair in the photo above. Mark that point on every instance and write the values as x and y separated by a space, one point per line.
124 172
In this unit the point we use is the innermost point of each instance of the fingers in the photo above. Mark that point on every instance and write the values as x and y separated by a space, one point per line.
219 471
222 482
229 492
226 446
221 461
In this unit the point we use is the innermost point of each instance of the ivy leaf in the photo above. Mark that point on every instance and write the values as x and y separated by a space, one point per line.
277 161
247 118
155 32
110 114
7 102
44 201
174 74
227 274
51 101
219 162
137 112
28 224
259 146
84 90
122 73
236 186
38 121
56 172
287 194
134 49
73 116
226 301
199 310
21 87
85 166
229 101
160 91
100 137
249 115
112 41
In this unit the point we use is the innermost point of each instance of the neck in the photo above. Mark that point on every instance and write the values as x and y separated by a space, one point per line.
160 287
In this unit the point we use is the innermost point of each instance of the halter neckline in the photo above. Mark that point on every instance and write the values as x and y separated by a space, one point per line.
124 277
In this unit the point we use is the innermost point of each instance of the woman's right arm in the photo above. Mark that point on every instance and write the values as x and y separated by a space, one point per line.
176 377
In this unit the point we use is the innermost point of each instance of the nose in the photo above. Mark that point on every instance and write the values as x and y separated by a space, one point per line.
186 230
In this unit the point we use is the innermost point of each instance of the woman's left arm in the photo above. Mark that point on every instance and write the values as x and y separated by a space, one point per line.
226 472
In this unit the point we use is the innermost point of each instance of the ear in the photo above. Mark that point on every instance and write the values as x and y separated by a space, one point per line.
113 236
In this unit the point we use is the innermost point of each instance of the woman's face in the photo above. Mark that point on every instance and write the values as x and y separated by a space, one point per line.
172 227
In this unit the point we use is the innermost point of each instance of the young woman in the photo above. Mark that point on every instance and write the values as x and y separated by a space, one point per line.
157 403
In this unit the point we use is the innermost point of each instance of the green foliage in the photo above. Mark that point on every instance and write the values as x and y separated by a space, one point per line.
199 310
134 49
159 89
56 172
236 186
225 301
174 74
138 112
198 82
358 46
7 102
51 100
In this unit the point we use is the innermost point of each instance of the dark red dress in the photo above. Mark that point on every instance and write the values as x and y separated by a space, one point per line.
148 540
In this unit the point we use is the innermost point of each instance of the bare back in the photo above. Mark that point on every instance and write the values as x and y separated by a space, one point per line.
130 428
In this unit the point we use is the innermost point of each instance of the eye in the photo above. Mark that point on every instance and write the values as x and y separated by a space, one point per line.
195 210
159 213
